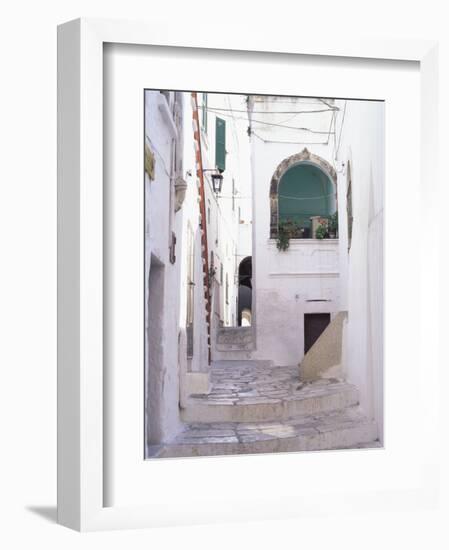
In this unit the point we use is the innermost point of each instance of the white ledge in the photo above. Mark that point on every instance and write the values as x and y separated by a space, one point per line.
302 274
308 242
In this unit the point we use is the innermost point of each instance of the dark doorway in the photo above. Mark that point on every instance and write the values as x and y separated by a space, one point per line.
154 378
245 291
314 325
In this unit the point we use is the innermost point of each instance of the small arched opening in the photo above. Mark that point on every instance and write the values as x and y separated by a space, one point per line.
245 292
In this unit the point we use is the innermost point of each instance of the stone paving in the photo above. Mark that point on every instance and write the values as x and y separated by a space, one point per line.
325 431
234 338
245 432
270 410
252 391
252 382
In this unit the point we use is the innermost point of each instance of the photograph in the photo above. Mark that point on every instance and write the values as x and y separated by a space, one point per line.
216 327
263 273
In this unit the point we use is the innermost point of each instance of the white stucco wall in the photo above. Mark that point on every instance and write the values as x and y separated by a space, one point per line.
362 145
163 375
352 282
228 239
190 212
224 232
309 269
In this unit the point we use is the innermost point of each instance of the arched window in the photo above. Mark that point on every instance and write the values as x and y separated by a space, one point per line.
305 192
302 189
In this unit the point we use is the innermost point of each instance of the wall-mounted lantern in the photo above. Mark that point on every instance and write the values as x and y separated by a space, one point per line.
217 179
217 182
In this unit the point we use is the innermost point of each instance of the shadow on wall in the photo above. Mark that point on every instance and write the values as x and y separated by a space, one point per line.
155 359
323 360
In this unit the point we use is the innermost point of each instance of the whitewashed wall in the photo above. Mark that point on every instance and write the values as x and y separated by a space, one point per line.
222 223
309 269
362 144
224 232
228 239
164 380
190 212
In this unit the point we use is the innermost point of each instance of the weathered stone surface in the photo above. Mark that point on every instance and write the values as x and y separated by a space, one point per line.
325 431
254 391
325 355
235 336
254 407
233 343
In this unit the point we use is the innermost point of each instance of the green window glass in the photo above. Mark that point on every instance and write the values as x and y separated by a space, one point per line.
220 144
305 191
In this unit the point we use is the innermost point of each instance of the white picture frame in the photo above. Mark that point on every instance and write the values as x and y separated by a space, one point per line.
80 266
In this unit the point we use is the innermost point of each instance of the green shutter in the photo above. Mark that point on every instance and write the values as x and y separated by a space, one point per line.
220 144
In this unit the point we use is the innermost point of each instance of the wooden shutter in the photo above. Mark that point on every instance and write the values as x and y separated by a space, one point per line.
220 144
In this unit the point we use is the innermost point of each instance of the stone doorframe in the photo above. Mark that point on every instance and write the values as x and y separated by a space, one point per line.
306 157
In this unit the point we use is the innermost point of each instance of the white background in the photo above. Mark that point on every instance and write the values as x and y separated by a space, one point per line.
28 272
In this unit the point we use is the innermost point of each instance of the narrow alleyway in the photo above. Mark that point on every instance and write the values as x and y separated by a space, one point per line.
254 337
255 407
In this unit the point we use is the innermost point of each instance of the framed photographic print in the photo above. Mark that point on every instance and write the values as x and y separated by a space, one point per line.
235 273
266 348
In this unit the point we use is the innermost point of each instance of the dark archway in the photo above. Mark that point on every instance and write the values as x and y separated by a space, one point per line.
245 289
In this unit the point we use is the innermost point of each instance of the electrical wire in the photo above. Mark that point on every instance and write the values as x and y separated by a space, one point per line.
341 130
325 102
306 198
299 128
290 127
272 112
236 197
253 133
223 217
234 126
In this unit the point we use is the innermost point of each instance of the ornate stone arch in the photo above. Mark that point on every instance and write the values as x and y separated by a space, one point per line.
305 156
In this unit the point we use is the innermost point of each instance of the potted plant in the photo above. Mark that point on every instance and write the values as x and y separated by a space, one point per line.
287 230
322 228
321 231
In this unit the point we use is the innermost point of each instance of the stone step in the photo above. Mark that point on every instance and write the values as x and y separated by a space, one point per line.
263 400
235 347
341 429
222 353
239 369
236 331
235 336
229 341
